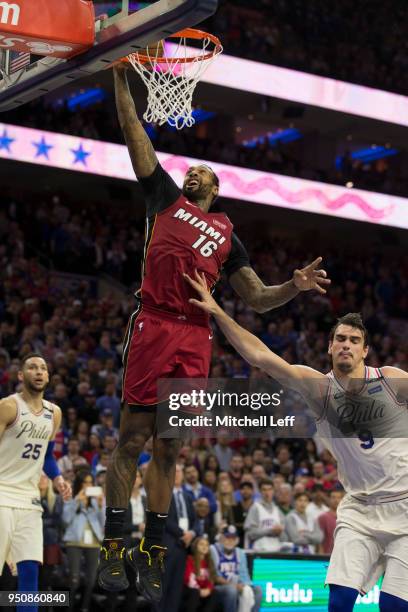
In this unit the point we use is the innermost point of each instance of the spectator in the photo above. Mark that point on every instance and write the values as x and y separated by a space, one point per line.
301 529
101 462
233 583
177 538
318 504
264 524
84 518
284 498
212 463
259 474
71 420
225 504
73 458
327 521
105 427
283 464
319 477
204 525
196 490
199 578
81 432
236 470
223 451
241 508
210 480
94 447
109 402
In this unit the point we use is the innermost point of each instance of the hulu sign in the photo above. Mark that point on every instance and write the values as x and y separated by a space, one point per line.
298 584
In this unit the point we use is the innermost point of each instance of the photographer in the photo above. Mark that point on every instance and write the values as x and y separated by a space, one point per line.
83 517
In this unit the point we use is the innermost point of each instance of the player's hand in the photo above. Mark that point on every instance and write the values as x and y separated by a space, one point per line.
120 67
63 487
206 302
311 278
276 530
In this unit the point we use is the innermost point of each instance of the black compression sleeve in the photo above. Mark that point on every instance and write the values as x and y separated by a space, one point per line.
238 257
160 191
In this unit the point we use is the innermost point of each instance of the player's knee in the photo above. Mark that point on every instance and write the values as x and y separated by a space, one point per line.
131 445
391 603
342 598
166 452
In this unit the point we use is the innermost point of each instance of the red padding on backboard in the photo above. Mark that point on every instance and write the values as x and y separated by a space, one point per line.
54 28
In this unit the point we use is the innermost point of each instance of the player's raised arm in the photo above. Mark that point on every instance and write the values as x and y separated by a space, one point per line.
262 298
255 352
141 151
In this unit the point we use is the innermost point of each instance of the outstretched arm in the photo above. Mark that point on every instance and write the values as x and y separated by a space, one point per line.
141 151
262 298
255 352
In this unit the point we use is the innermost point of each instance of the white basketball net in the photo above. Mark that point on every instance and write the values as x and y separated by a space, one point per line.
171 83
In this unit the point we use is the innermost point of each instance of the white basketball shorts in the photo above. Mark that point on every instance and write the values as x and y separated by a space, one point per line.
21 535
371 540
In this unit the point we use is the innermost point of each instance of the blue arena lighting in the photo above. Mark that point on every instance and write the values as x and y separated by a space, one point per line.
281 136
369 154
86 98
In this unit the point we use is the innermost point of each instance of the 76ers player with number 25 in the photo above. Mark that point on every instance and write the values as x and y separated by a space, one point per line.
168 337
28 425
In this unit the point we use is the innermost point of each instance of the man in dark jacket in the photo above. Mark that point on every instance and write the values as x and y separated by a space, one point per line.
178 536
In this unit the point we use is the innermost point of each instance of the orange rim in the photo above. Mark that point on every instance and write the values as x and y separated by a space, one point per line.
141 58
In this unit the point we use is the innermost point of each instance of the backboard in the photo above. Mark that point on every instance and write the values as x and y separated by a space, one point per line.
121 27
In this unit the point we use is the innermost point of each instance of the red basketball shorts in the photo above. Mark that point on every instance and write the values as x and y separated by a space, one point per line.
162 345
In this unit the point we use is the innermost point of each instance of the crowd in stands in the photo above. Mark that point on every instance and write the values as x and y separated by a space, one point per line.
358 42
233 495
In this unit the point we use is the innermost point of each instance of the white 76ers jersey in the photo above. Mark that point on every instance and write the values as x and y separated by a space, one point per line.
22 452
367 433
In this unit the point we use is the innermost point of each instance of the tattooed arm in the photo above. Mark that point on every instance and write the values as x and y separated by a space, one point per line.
262 298
141 151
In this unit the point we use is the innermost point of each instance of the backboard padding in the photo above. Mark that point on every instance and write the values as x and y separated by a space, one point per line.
119 35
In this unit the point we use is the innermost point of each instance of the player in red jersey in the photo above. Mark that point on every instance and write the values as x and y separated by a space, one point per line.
167 336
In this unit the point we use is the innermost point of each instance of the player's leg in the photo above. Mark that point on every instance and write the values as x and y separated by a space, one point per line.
27 572
391 603
148 559
27 549
7 528
341 598
394 590
355 565
136 427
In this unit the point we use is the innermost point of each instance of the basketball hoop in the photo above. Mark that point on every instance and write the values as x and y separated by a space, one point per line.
171 73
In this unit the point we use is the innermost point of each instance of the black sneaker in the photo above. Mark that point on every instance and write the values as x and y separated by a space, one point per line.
112 571
149 567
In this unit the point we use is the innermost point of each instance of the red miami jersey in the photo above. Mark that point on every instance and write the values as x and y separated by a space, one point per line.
181 238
